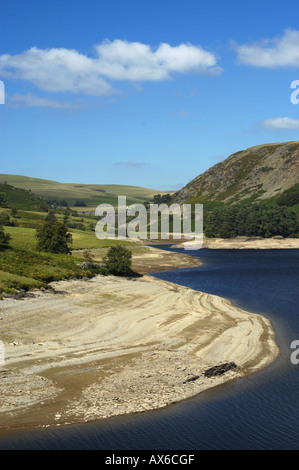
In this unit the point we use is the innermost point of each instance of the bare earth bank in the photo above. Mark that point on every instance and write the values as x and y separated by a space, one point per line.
108 346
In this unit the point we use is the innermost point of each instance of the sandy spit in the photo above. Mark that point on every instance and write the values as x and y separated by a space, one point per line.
245 243
91 349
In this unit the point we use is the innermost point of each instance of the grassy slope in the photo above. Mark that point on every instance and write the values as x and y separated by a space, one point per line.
92 194
22 267
20 198
24 238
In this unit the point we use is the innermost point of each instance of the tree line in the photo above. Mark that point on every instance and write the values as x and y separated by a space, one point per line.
251 220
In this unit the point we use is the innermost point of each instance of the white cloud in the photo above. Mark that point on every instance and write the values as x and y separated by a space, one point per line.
59 70
271 53
281 123
123 60
30 100
56 70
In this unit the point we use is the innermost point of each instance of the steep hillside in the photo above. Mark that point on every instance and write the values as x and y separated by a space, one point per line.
255 174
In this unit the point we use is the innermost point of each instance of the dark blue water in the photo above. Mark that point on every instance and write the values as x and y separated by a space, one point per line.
257 412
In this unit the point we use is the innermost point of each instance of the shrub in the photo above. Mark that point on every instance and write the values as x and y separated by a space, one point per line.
119 260
5 219
53 238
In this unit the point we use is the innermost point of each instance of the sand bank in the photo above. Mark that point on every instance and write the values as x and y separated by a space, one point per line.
110 346
245 243
148 259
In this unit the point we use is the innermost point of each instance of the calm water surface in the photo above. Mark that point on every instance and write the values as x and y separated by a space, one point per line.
257 412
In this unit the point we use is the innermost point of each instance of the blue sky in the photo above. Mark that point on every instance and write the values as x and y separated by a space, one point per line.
146 93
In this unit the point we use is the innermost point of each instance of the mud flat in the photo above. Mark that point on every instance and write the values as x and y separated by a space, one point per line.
90 349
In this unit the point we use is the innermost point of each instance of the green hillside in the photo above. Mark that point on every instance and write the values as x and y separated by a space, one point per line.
73 194
18 198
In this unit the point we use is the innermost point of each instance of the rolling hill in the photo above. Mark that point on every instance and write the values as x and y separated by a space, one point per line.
91 194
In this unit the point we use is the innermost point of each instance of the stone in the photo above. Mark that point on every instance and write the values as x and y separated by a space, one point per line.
192 379
220 369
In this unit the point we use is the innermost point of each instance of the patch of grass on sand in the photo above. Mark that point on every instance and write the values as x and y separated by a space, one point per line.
9 283
25 269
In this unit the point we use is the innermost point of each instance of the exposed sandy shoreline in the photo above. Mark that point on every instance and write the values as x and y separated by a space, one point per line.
148 259
246 243
109 346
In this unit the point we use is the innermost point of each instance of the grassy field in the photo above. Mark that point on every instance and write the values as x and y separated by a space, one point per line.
24 238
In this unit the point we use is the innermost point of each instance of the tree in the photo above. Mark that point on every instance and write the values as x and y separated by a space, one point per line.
165 199
14 212
119 260
157 198
3 199
252 221
63 203
5 219
4 239
50 217
80 203
53 238
211 224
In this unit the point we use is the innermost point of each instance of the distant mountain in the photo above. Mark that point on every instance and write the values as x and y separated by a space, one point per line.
256 174
90 194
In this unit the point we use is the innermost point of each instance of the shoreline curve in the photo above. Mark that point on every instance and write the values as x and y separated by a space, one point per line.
91 349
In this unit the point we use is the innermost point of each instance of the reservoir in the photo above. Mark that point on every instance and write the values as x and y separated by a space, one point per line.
260 411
